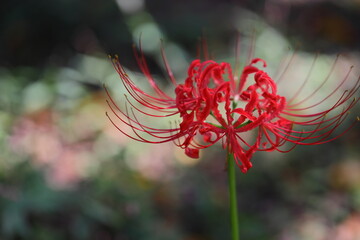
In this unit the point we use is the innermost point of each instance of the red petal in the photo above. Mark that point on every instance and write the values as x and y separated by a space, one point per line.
193 153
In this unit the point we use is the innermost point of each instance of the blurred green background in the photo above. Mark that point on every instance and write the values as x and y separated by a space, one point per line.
66 173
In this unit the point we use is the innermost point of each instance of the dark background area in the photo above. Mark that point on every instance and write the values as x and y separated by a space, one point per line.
38 33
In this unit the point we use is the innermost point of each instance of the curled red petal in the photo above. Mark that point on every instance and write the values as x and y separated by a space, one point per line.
191 152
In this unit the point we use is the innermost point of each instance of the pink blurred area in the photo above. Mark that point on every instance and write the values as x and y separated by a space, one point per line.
39 138
67 147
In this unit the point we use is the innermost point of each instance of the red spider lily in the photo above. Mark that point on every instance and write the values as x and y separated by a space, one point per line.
213 105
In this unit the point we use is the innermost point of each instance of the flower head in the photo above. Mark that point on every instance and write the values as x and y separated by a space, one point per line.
214 104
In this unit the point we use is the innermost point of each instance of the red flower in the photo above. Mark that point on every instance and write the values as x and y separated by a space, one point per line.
212 105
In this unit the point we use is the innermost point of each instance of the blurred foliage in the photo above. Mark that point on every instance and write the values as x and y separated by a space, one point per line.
66 173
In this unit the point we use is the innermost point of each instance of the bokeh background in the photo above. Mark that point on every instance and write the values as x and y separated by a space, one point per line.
66 173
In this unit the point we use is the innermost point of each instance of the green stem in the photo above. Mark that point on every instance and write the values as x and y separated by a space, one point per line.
233 202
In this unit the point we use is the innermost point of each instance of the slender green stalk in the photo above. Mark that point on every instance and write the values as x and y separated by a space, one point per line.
233 202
